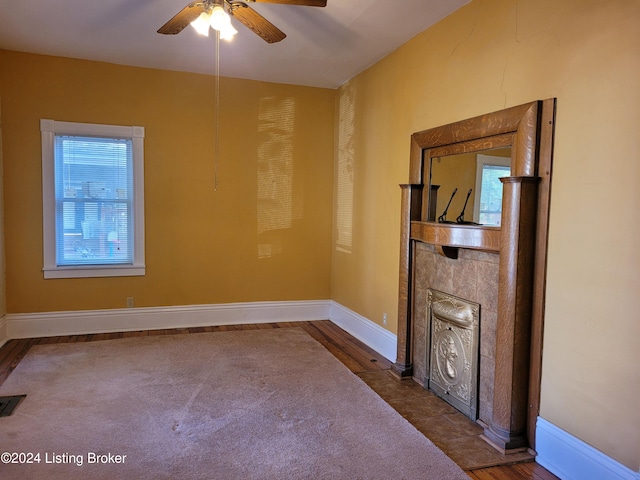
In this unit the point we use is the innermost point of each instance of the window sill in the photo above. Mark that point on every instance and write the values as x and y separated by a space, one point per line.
94 271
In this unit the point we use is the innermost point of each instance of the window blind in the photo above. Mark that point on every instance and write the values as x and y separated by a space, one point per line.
94 200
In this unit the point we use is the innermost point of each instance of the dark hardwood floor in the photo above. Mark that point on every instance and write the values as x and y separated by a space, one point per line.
371 368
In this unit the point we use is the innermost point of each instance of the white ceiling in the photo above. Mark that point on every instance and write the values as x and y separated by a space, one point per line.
324 47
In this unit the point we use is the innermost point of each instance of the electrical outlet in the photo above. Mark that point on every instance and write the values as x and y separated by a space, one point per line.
129 302
384 318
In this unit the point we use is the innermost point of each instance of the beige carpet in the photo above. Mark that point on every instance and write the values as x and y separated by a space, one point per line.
256 404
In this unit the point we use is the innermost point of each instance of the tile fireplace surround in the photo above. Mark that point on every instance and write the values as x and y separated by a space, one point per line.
474 277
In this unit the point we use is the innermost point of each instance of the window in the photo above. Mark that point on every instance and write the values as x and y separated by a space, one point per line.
93 200
488 199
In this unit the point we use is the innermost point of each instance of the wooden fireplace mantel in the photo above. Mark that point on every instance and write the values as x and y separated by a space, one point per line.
520 241
457 236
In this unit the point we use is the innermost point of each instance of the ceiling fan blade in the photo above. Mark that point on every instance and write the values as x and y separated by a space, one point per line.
256 22
306 3
183 18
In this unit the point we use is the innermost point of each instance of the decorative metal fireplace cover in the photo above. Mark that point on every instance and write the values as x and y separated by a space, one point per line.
452 358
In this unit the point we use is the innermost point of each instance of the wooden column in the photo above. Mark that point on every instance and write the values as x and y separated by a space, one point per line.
508 428
411 211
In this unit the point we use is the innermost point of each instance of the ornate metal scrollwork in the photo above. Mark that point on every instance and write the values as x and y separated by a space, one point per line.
453 350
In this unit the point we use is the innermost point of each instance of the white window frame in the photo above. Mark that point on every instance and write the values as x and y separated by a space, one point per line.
482 161
49 129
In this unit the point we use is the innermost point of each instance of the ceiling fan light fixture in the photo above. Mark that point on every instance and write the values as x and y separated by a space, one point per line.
201 24
228 32
219 18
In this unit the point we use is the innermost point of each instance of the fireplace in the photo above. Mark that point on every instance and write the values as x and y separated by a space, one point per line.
452 361
471 279
500 268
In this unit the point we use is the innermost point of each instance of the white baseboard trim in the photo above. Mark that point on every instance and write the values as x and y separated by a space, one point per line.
570 458
50 324
34 325
3 330
381 340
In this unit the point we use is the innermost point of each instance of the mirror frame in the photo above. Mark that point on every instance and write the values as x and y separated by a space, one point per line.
523 235
516 127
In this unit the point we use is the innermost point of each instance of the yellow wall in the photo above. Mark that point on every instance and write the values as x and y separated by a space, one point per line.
3 283
204 246
489 55
264 235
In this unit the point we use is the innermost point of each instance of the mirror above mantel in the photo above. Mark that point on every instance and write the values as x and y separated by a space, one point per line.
512 133
463 206
447 158
465 189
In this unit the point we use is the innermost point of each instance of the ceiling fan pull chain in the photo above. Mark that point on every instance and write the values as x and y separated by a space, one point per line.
216 159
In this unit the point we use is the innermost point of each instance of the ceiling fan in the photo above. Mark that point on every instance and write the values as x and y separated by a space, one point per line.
214 13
